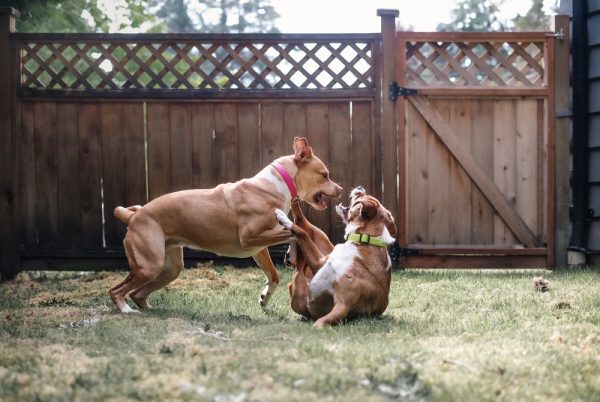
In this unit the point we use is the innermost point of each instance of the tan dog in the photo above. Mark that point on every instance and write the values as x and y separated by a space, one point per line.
303 274
354 279
232 219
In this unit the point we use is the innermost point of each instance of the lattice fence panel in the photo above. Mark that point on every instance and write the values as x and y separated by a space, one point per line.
184 65
488 64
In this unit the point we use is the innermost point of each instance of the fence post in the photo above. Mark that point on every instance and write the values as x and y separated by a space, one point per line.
389 130
9 253
562 195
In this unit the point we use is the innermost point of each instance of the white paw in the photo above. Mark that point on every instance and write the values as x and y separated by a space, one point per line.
266 294
283 219
128 310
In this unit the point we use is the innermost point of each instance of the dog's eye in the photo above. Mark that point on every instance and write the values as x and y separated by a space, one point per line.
325 175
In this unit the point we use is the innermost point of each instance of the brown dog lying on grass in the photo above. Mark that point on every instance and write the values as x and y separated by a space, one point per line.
353 280
232 219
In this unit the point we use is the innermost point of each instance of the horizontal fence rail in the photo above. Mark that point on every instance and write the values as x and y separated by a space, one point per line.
187 65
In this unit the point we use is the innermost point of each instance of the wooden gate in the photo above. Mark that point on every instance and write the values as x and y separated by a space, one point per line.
476 149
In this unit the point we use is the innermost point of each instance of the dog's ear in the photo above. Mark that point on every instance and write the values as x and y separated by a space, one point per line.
369 210
388 220
302 151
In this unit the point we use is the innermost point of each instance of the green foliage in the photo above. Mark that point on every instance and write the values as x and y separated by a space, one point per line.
216 16
76 15
534 20
474 15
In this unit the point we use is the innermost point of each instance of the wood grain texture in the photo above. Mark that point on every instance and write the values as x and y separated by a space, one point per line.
159 150
203 148
226 143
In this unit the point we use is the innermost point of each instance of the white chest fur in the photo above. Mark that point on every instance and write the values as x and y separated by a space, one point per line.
338 263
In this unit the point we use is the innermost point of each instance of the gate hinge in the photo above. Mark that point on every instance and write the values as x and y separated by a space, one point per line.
396 90
396 251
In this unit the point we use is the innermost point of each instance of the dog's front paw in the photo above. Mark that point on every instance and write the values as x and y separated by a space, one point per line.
283 219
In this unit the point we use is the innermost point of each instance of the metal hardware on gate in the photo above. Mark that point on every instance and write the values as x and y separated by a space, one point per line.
396 252
396 90
558 35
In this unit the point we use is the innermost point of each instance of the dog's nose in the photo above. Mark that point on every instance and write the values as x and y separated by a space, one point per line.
338 190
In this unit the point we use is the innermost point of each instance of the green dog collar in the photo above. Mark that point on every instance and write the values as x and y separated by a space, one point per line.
366 239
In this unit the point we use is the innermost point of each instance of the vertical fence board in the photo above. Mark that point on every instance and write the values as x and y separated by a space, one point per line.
248 139
159 153
417 168
113 169
135 154
180 129
362 148
28 180
460 183
226 143
317 133
46 172
527 163
90 171
340 158
504 163
482 149
439 183
69 207
273 143
203 128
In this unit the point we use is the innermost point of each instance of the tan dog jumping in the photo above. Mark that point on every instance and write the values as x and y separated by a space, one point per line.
354 279
232 219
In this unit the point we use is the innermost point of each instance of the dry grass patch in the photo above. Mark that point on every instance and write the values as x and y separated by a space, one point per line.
447 336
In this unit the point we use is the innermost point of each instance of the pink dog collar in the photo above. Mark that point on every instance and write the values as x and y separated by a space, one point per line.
286 178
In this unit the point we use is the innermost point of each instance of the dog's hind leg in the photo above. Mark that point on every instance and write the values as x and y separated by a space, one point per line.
263 259
170 272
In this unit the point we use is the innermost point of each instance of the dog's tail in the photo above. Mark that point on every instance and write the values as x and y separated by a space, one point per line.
125 214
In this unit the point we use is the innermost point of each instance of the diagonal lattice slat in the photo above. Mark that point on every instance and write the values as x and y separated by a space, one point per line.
462 64
106 66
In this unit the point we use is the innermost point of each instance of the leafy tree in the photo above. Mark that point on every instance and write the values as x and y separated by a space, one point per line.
474 15
74 15
534 20
216 16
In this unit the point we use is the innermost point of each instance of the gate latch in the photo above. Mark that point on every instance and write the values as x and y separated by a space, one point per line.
396 90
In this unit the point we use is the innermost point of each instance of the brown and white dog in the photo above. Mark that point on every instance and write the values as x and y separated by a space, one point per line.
354 279
232 219
303 273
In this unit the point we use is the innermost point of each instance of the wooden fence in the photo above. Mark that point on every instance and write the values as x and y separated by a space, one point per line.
91 121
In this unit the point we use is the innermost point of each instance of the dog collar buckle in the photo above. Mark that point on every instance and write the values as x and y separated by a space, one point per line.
366 239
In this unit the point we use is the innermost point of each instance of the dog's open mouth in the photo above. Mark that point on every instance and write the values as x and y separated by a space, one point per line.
320 200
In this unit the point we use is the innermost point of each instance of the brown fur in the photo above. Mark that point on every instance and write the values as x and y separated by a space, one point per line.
232 219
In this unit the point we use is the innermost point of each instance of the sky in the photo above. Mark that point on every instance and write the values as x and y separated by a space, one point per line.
331 16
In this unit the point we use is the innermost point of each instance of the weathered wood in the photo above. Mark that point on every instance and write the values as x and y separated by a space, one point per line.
362 147
388 116
29 223
46 172
561 109
417 176
317 132
9 178
203 145
273 143
340 159
248 139
477 262
113 169
134 145
527 162
482 149
180 136
226 143
90 172
551 150
69 207
504 164
487 186
439 182
159 150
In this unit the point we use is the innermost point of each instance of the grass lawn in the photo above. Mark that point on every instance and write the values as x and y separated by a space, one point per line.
446 336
